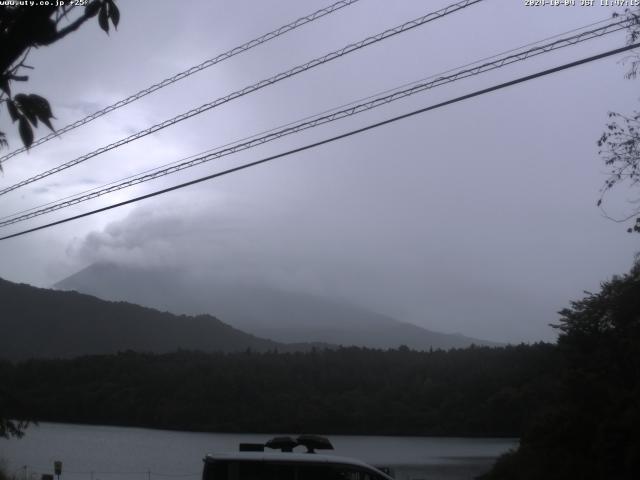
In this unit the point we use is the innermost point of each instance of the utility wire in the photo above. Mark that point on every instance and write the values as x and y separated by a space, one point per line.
316 121
362 99
252 88
186 73
468 96
204 157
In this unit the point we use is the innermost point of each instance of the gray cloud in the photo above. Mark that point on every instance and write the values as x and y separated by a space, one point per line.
229 242
477 218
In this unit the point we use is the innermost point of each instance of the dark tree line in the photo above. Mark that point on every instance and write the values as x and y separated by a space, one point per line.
592 428
478 391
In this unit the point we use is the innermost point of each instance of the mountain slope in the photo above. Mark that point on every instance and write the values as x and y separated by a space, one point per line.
38 322
283 316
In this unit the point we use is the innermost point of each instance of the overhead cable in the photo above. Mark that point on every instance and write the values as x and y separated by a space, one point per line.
315 121
252 88
187 73
468 96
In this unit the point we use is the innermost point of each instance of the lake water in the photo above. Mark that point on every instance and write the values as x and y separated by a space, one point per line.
90 452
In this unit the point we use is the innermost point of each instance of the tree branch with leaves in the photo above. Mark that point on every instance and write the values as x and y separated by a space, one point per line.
620 150
619 144
23 28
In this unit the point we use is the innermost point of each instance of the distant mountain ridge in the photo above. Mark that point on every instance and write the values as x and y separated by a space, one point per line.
42 323
279 315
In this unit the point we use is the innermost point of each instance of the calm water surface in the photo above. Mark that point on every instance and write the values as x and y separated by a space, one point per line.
91 452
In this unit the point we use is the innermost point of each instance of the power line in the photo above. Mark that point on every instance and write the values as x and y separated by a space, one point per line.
252 88
196 160
362 99
186 73
320 119
468 96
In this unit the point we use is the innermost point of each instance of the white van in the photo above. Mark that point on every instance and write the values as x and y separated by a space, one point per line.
286 465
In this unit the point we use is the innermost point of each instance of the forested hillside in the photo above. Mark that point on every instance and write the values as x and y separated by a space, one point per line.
39 323
479 391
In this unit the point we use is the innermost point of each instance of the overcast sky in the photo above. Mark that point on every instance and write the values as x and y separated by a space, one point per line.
478 218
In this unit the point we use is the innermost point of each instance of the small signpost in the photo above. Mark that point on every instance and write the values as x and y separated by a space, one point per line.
57 468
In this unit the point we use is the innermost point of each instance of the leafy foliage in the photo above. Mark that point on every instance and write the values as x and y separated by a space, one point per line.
620 142
9 402
4 475
633 17
12 428
23 27
593 431
620 149
27 110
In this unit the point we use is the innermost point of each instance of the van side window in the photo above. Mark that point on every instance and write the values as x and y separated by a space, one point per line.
215 471
247 471
313 472
347 472
251 470
279 471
